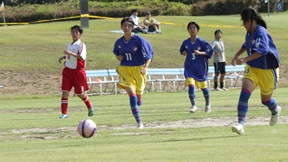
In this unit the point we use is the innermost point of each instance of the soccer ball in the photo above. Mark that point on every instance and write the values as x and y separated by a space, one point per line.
87 128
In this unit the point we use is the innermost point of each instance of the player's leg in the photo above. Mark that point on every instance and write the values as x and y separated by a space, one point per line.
85 98
190 83
206 93
66 88
216 75
222 72
64 104
248 85
134 106
267 84
128 83
80 87
139 99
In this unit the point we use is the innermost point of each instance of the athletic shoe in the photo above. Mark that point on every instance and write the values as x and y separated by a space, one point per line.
64 116
208 109
218 89
140 126
238 128
274 118
91 111
193 109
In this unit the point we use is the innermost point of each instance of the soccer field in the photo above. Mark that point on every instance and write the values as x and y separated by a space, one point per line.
32 131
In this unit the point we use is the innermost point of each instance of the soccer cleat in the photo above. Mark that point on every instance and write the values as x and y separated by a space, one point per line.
193 109
218 89
91 111
208 109
140 126
238 128
64 116
274 118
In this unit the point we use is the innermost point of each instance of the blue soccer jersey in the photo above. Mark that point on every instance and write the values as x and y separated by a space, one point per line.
260 41
135 51
196 66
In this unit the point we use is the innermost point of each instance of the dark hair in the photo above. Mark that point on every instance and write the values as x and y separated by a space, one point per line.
128 19
217 31
134 10
148 13
194 23
251 14
77 27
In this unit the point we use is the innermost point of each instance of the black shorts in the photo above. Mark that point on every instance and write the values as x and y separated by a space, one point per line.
151 29
219 67
137 30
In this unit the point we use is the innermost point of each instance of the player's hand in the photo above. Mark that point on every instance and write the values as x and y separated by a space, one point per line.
60 59
143 71
234 60
240 61
119 58
197 52
184 53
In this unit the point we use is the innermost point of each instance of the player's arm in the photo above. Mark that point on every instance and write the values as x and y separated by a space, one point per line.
61 58
69 53
145 67
253 56
240 52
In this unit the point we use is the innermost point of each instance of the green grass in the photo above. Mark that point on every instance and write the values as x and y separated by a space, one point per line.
31 131
26 48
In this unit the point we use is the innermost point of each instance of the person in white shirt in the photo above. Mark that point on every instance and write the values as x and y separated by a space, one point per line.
138 26
219 60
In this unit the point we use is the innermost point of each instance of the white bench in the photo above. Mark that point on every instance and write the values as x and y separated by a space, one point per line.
165 75
161 76
233 73
102 77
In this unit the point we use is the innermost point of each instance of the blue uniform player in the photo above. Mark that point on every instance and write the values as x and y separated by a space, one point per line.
135 54
261 70
197 52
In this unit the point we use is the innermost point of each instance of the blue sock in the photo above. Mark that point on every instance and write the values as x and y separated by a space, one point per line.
191 93
139 103
134 108
272 105
206 94
243 105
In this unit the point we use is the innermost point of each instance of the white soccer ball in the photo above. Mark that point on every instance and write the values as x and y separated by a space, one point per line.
87 128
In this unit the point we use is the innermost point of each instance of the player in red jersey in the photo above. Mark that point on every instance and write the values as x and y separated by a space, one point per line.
74 75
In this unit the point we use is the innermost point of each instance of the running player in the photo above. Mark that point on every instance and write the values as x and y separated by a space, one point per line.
135 54
197 52
74 75
261 70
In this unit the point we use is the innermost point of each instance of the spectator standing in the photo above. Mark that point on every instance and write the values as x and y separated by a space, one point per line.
135 54
261 68
197 52
74 75
219 60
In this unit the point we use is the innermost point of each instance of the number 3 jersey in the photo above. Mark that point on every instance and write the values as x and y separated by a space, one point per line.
135 51
196 66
